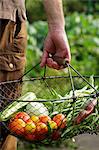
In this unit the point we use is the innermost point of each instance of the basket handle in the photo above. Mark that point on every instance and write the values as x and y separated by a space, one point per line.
64 62
60 61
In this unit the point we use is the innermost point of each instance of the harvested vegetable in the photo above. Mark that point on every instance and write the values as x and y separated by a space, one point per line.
86 112
30 127
56 135
35 119
30 137
53 124
60 120
15 106
44 118
41 129
35 108
22 115
16 126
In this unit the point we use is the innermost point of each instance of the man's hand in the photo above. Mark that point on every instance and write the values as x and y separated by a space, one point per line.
56 44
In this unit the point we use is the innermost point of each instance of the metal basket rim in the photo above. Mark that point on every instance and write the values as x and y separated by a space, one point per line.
45 78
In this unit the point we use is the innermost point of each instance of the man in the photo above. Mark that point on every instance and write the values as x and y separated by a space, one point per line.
13 40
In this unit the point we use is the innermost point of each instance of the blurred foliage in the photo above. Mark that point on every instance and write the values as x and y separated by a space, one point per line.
35 8
83 34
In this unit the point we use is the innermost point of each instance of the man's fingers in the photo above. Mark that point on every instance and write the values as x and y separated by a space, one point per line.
49 62
52 64
44 59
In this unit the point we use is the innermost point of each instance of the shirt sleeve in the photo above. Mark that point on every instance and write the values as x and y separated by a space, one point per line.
9 9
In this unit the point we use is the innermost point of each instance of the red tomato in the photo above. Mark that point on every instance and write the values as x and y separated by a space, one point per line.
30 126
22 115
55 135
60 120
30 137
41 128
17 126
44 118
40 137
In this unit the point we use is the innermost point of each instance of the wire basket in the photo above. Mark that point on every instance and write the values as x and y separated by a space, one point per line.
59 108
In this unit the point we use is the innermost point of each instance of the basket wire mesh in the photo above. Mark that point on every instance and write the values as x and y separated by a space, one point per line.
50 91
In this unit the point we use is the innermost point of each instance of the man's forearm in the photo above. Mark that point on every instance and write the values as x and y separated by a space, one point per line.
54 11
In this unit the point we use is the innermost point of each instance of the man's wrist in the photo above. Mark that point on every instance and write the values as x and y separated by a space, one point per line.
56 27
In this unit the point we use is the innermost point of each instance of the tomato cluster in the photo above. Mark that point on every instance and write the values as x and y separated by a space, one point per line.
37 127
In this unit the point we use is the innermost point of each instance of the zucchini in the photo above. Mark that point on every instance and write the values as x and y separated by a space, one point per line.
16 105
